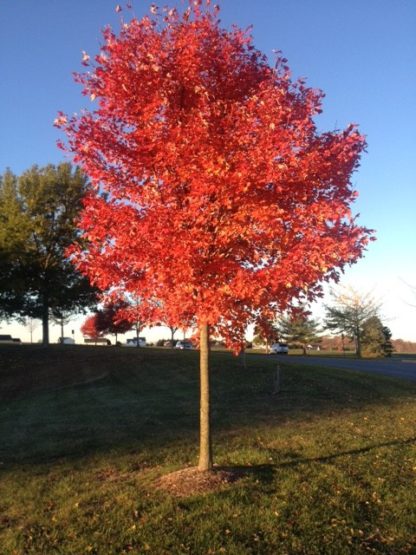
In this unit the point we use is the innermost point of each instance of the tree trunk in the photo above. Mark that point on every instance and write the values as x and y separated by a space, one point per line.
305 352
172 335
358 344
243 358
45 320
137 335
205 448
62 328
276 388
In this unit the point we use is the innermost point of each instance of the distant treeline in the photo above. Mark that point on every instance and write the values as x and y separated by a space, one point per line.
401 346
339 344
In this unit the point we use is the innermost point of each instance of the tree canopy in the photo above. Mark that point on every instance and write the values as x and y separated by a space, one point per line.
37 225
212 168
349 312
107 320
13 235
299 328
215 198
376 338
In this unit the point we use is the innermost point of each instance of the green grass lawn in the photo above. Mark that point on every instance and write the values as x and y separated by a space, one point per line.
328 466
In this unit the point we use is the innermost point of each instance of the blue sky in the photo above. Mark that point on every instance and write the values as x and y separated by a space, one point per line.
361 54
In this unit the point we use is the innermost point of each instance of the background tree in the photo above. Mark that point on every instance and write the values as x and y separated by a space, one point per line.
37 225
110 319
337 343
134 311
222 201
401 346
412 289
173 330
376 338
90 329
265 333
14 232
299 328
31 325
349 313
62 319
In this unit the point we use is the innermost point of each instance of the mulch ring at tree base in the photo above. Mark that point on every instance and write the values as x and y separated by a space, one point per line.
191 481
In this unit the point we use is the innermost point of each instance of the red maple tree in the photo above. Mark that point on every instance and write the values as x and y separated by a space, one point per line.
216 199
90 329
111 319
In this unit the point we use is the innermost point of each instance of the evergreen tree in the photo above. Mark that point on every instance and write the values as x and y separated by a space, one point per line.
387 346
376 338
300 329
37 225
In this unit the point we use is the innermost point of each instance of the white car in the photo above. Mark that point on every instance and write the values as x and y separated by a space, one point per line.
279 349
132 342
184 345
66 341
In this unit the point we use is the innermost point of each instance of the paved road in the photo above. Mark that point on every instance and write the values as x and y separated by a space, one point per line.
395 367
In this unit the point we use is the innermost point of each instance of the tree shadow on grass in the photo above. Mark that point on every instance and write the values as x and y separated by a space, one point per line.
265 473
149 403
345 453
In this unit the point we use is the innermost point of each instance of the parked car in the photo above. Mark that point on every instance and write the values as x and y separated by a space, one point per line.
66 341
8 339
132 342
184 345
279 349
97 341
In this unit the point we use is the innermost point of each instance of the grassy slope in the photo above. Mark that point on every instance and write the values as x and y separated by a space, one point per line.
329 464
